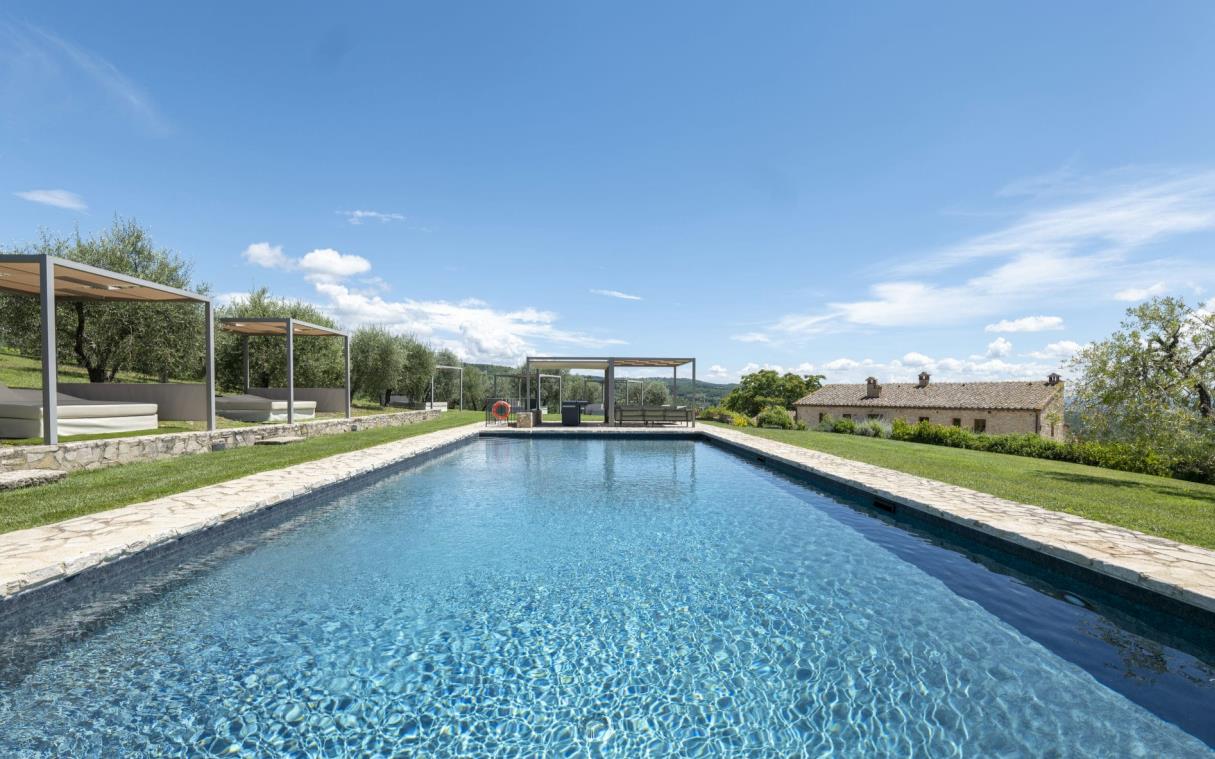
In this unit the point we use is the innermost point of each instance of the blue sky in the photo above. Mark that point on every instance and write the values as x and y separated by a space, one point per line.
854 189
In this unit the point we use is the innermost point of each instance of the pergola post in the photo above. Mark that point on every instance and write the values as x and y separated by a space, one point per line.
50 363
346 363
674 386
290 370
609 393
692 405
461 386
209 380
244 361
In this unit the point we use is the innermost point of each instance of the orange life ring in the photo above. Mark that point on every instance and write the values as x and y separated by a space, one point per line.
500 410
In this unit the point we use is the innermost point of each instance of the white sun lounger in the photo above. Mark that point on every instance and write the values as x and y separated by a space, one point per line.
21 415
254 408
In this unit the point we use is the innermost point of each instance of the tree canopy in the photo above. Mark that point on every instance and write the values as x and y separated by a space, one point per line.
318 360
758 390
161 339
1150 382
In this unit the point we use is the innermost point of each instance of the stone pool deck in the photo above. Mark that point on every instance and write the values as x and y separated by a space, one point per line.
40 556
33 558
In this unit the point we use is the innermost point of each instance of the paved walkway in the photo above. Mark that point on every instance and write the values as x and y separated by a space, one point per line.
1173 569
42 555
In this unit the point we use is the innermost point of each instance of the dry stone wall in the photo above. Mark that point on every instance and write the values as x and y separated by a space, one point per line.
97 454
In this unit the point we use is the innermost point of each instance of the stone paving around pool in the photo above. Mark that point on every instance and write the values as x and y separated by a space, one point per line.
36 557
42 555
1176 570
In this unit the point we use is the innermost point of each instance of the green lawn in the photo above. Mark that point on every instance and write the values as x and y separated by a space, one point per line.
18 371
89 492
1182 511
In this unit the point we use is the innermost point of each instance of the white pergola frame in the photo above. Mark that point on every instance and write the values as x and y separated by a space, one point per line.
265 326
435 371
608 365
62 279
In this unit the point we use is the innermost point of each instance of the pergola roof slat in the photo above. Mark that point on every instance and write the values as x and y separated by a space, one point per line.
77 281
275 325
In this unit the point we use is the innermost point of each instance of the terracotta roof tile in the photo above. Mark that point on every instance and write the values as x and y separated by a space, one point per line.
960 395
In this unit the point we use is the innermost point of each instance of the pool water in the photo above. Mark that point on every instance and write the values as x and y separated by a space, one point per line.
592 598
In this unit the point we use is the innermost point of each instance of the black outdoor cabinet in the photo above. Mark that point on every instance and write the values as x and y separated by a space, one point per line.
571 413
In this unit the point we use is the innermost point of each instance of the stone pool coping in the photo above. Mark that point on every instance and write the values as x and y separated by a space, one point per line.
34 558
41 556
1174 570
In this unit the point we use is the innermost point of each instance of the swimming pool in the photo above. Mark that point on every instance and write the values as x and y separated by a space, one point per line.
595 596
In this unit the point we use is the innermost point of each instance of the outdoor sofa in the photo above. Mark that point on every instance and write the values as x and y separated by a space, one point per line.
254 408
21 415
648 415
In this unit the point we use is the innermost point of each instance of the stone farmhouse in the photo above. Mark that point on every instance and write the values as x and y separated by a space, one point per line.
994 408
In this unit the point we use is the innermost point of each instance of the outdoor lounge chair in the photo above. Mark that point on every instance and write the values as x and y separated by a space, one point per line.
21 415
648 415
254 408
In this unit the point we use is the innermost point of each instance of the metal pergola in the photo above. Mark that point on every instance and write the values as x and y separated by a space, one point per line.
55 279
288 327
608 365
459 369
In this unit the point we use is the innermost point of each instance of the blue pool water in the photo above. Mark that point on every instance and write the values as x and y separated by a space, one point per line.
591 598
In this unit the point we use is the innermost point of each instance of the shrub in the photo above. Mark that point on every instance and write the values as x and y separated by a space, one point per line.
725 415
872 428
843 426
775 416
1121 456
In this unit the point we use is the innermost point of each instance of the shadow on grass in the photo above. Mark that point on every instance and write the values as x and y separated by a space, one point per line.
1162 489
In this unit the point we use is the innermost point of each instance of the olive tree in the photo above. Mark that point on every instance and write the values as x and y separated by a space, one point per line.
377 359
318 360
1151 381
164 340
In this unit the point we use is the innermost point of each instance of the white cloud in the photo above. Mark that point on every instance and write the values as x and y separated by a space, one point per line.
949 369
841 364
1058 351
1140 293
615 294
1026 324
751 337
328 264
320 265
358 217
57 198
267 255
227 299
719 372
999 348
476 332
1073 250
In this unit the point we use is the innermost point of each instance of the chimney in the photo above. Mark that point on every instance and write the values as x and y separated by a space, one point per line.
872 388
924 377
1053 379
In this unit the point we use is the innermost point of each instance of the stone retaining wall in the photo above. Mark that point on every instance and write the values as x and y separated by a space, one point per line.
97 454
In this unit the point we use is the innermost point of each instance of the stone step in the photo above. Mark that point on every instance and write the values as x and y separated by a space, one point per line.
281 440
24 478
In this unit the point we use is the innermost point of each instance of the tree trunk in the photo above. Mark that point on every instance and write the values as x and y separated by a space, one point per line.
1204 400
96 373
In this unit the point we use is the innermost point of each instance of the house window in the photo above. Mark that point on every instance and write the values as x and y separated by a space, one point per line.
874 416
923 418
957 422
980 425
847 416
822 417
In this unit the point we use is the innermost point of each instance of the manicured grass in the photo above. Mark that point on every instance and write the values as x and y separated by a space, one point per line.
18 371
1182 511
90 492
